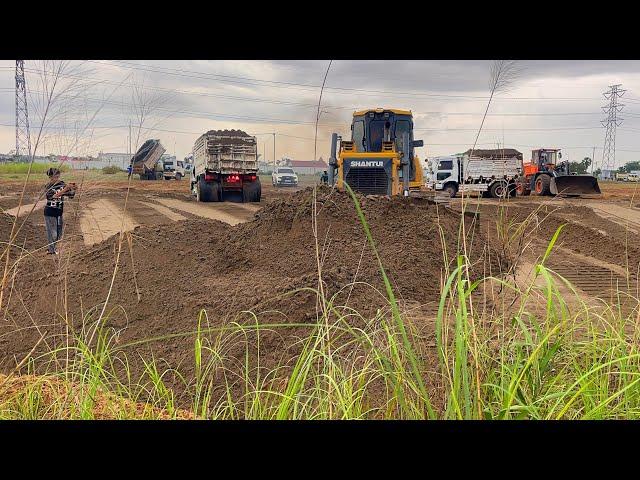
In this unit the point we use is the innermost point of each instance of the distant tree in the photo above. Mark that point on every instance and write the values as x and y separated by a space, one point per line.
580 168
629 167
597 172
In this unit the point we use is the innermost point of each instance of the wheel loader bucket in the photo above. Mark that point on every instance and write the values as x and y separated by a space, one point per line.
571 185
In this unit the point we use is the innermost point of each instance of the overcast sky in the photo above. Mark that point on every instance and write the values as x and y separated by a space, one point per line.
552 103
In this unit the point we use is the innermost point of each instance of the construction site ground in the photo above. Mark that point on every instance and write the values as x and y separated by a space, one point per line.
179 257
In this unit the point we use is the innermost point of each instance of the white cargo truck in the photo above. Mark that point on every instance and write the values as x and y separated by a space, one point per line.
225 161
172 168
491 173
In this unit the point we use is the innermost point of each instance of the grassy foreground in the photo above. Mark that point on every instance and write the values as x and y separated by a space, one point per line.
550 357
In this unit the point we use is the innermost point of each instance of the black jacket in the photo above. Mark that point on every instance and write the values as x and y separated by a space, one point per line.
55 206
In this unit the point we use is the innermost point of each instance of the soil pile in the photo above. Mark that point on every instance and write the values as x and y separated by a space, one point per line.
197 264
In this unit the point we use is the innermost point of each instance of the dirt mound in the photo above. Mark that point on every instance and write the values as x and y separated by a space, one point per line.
197 264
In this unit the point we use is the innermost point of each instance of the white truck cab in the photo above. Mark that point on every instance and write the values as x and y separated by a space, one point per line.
172 168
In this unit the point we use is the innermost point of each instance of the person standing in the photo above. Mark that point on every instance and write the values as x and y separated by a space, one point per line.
56 190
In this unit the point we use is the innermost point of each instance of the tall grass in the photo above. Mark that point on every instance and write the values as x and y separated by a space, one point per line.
550 356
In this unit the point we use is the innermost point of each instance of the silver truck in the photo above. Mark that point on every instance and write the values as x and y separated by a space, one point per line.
491 173
225 161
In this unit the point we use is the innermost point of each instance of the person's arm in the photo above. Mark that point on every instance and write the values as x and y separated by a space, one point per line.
71 192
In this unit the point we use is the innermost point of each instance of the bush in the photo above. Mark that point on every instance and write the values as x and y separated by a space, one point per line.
111 169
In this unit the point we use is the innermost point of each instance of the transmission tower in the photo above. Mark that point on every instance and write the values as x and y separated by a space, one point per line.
23 140
612 109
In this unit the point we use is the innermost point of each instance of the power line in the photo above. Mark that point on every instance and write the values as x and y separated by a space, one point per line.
345 90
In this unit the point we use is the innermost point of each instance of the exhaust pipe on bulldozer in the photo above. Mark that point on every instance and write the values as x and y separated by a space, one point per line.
570 185
333 162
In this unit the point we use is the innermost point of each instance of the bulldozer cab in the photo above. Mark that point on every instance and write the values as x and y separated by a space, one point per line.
371 128
381 131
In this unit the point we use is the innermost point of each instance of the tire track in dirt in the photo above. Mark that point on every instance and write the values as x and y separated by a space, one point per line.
231 213
167 212
24 209
625 216
102 219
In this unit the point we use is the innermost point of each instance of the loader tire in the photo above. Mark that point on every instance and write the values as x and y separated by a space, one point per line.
542 185
512 189
522 189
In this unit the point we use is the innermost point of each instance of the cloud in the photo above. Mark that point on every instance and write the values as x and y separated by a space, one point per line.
552 103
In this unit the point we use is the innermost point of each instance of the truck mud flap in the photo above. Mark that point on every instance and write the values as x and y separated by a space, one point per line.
574 185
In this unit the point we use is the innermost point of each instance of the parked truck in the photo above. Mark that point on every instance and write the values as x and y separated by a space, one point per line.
145 162
491 173
172 168
225 161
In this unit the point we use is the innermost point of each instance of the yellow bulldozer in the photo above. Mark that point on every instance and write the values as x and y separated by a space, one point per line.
379 159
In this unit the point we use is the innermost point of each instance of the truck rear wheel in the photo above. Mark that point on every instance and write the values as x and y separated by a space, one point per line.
251 192
204 192
542 185
499 189
178 176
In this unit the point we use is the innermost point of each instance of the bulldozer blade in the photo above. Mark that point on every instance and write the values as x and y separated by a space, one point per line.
570 185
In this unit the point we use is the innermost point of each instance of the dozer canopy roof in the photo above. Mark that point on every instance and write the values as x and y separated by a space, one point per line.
382 110
370 128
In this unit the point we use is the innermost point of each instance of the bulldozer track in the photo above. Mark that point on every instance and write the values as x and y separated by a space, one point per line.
596 281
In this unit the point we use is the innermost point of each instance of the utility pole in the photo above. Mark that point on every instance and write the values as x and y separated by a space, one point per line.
611 122
274 150
23 139
593 159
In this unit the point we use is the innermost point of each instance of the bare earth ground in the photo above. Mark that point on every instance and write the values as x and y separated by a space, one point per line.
182 256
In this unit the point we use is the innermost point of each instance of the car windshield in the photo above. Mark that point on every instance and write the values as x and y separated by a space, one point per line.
285 170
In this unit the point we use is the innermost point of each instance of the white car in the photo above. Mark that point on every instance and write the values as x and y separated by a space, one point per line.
284 176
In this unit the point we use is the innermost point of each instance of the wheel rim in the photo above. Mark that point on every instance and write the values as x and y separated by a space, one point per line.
500 191
539 186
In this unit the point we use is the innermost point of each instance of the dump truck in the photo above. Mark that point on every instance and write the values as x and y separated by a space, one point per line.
490 173
225 161
145 162
545 175
379 159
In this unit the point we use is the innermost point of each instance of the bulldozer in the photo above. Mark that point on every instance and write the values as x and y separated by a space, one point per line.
379 159
545 175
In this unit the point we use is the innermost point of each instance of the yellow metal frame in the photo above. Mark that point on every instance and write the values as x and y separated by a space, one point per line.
396 183
397 111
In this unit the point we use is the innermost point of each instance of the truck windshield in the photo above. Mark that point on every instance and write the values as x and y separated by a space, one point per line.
445 165
285 170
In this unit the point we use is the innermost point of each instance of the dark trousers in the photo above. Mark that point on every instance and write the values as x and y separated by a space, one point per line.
54 231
